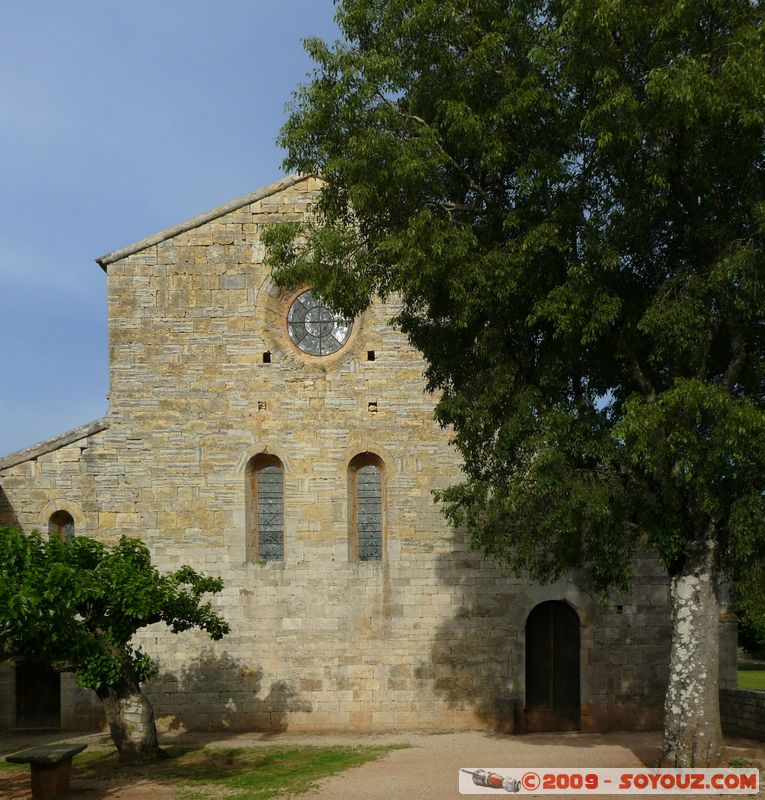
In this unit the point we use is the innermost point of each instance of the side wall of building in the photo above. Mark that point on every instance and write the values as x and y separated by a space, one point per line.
30 493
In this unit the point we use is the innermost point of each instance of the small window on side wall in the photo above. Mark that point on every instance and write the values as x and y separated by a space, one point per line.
366 492
61 524
265 490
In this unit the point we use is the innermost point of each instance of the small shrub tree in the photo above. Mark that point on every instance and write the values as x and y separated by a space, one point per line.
77 604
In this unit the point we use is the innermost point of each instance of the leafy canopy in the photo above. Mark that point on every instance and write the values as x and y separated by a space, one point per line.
77 603
567 199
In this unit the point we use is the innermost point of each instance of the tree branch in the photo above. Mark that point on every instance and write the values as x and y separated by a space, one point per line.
737 360
476 187
642 380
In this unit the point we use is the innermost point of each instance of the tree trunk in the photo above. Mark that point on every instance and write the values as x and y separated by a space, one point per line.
131 719
692 733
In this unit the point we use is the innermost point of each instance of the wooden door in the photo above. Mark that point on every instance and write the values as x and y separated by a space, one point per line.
552 668
38 696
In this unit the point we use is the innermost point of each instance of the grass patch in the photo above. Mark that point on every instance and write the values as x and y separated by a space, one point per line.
253 773
260 773
751 679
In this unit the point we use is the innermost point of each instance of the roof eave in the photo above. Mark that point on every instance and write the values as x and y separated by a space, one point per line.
200 219
56 443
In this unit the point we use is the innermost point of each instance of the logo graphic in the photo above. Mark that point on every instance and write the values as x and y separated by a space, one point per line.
570 781
493 780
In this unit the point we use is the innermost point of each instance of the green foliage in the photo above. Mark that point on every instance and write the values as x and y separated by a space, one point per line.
567 198
750 604
77 603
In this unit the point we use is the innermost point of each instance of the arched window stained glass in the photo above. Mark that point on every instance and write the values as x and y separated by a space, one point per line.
265 508
270 518
367 488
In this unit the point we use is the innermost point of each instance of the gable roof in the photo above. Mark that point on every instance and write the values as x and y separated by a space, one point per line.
200 219
56 443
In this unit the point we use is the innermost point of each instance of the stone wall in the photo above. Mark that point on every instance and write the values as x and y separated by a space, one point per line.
81 710
742 713
432 636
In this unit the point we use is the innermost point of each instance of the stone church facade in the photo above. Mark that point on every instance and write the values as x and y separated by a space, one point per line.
253 434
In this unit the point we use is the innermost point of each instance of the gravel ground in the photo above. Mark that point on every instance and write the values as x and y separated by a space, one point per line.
428 768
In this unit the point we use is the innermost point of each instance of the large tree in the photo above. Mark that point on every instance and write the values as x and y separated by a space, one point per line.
567 197
77 604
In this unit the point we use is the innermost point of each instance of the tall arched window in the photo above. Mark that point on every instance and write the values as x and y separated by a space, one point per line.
366 491
61 524
265 490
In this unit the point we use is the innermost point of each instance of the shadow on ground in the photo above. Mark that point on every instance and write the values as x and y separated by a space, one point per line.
427 768
205 770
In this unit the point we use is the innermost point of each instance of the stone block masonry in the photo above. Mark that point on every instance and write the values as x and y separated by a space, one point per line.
742 713
431 636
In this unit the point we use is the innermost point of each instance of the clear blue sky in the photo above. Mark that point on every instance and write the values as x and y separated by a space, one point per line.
119 119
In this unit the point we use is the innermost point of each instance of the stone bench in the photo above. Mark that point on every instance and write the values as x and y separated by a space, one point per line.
51 766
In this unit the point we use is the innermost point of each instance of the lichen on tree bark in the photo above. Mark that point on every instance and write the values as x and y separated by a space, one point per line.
692 733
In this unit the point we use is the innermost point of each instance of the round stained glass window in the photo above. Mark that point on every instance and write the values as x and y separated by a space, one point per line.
314 327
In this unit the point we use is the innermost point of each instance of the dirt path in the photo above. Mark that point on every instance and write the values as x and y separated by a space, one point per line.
428 768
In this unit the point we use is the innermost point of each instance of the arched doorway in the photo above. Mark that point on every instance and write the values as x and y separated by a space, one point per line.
38 695
61 524
552 668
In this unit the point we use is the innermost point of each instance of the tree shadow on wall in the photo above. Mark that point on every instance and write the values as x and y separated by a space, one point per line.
8 516
219 692
476 656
